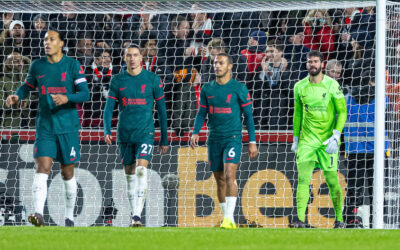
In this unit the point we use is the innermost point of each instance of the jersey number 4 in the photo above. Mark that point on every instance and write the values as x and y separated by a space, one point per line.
73 153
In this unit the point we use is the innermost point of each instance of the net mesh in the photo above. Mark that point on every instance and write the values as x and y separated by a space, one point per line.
268 42
392 113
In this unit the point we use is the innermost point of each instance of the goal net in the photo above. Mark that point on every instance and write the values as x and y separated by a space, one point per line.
268 41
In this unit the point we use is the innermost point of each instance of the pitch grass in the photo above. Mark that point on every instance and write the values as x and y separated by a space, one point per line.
195 238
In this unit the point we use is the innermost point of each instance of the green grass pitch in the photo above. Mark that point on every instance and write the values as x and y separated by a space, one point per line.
195 238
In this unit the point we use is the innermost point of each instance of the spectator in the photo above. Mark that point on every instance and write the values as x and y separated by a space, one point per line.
146 22
201 32
151 61
156 64
214 47
70 24
6 19
393 26
333 69
276 83
107 32
393 81
83 52
361 58
318 32
269 19
14 74
236 28
255 52
348 15
99 77
337 21
16 42
40 24
360 19
281 27
180 57
295 51
359 147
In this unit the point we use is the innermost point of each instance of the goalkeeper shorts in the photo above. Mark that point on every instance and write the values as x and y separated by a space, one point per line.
130 152
222 152
63 148
325 161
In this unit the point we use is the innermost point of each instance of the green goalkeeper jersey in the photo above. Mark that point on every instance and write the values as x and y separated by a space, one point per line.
319 108
65 77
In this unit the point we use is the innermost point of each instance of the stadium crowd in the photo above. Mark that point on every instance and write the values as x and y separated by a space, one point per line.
269 51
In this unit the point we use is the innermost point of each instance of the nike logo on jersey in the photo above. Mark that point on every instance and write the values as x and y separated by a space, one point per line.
72 159
41 76
120 89
143 154
228 159
210 97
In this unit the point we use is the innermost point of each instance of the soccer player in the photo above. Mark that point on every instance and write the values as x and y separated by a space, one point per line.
62 84
224 100
136 89
319 117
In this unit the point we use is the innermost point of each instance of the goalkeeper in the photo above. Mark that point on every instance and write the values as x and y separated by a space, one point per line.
319 117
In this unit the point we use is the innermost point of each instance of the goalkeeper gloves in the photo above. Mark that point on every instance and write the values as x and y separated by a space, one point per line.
295 144
332 142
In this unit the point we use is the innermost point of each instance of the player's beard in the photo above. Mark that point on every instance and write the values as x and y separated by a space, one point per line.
316 72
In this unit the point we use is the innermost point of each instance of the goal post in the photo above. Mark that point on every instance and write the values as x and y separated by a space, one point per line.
380 114
359 41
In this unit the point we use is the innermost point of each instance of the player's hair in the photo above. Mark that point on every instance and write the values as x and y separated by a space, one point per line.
315 53
332 63
277 44
132 45
145 37
61 35
230 60
216 43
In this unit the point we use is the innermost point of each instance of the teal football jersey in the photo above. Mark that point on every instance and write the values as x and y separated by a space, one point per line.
65 77
136 96
224 105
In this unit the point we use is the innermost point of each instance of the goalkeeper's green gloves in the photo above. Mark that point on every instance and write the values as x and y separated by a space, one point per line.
295 144
332 142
